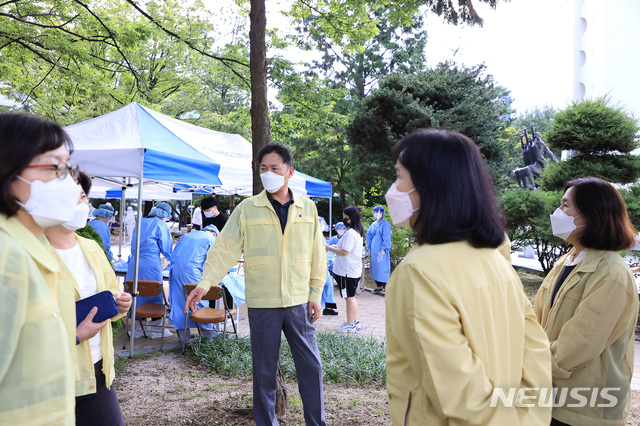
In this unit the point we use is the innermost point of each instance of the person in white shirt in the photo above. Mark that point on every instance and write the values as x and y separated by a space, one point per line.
196 218
347 266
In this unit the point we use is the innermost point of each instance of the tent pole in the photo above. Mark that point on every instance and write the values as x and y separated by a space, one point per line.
124 188
136 262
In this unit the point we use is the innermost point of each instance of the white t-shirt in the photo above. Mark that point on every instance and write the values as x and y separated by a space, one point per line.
77 263
196 216
349 266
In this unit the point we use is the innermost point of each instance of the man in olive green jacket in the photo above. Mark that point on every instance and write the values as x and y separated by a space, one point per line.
285 266
591 327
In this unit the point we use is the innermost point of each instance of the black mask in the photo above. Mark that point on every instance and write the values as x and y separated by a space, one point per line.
346 221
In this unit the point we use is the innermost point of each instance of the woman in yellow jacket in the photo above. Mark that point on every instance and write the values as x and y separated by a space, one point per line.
87 267
588 305
464 346
38 191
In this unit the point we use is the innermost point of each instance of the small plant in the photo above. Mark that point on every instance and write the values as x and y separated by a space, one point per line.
345 359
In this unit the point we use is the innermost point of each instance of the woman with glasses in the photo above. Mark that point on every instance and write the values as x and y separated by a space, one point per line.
37 307
460 330
96 400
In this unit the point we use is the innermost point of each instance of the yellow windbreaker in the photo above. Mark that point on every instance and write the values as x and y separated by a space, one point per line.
280 270
106 280
458 326
591 327
36 376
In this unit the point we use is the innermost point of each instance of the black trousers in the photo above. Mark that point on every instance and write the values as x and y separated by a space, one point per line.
100 408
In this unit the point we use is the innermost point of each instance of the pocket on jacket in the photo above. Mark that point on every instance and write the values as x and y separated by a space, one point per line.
302 267
257 262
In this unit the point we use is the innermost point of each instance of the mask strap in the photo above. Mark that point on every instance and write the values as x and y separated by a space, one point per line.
23 179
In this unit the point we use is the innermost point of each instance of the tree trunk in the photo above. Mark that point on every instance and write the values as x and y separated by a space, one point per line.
260 125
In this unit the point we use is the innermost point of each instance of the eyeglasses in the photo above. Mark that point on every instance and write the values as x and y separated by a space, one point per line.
62 170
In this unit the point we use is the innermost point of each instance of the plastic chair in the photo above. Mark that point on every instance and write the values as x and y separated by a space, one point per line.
148 310
210 315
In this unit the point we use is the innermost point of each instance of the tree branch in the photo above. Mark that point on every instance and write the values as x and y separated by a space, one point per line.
193 47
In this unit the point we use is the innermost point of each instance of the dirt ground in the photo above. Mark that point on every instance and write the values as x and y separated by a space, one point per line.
171 389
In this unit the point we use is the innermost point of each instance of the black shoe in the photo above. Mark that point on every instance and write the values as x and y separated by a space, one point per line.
328 311
378 290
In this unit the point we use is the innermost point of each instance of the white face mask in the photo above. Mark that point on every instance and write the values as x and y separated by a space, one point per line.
340 232
562 225
208 214
377 215
52 203
79 218
400 206
272 182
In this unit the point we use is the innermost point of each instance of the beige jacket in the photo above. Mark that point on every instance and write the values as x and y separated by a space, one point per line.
36 375
591 328
281 270
106 280
458 326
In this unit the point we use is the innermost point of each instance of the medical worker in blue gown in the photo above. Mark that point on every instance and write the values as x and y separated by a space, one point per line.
328 301
187 261
379 244
155 238
103 215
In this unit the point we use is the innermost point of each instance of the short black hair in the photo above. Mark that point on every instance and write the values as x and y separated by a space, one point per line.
353 214
457 196
208 202
85 182
607 222
282 150
22 138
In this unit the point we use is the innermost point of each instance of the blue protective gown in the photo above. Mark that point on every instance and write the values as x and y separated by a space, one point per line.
155 238
187 261
103 229
379 238
327 291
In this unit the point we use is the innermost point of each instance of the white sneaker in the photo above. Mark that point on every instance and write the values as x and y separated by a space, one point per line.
357 324
347 328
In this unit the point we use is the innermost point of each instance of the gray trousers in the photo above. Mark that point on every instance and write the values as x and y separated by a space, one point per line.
266 325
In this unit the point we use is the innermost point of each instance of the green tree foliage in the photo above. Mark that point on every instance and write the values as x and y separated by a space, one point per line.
528 223
70 60
542 117
603 136
447 96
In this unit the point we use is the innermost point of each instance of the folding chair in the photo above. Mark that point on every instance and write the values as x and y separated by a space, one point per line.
210 315
148 310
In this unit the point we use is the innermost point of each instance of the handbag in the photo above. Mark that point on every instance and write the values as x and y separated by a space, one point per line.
107 307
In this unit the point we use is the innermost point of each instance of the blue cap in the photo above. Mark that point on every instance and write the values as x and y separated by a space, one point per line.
340 225
106 207
379 209
211 228
102 213
161 210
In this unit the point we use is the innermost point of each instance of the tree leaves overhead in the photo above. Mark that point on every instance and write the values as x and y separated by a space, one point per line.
70 60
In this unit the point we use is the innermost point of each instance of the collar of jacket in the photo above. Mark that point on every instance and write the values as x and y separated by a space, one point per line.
38 248
590 261
261 200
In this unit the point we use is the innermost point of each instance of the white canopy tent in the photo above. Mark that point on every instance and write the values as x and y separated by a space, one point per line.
136 142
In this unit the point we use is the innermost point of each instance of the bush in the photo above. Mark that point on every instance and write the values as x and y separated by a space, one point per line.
528 223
